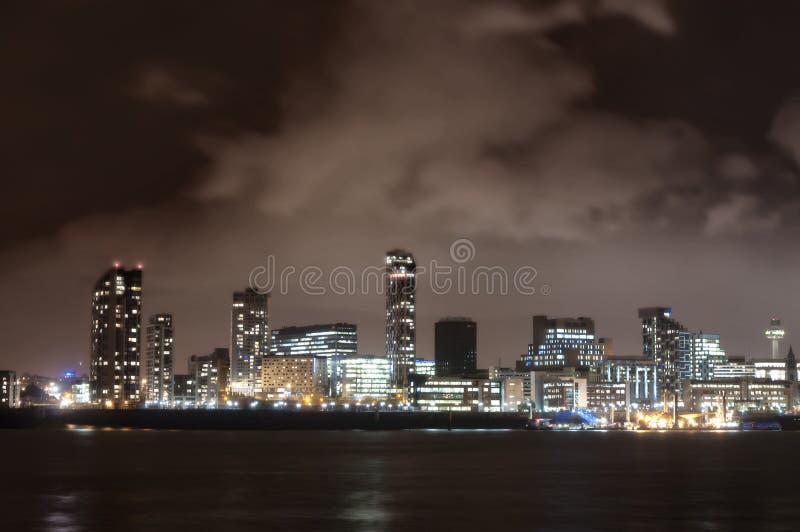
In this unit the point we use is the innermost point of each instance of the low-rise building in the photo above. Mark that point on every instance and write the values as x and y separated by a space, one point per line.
460 395
9 389
292 377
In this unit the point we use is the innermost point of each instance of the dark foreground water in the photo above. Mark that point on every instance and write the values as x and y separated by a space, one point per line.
489 481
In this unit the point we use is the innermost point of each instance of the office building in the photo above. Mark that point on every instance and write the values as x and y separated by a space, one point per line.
660 343
424 367
333 341
401 318
741 395
160 356
563 342
250 338
366 378
699 355
9 389
460 394
456 347
734 368
115 338
210 375
293 377
557 390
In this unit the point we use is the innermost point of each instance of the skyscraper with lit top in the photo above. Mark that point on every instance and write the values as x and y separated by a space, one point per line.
401 317
249 341
115 338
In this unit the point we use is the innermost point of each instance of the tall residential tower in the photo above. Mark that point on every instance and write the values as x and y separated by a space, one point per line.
115 338
249 341
160 354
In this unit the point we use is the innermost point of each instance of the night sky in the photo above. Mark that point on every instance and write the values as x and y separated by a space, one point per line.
635 153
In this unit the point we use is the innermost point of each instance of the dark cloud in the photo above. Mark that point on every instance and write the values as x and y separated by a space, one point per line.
626 149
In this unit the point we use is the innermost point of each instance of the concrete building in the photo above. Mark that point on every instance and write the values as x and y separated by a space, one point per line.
159 368
210 374
115 338
293 377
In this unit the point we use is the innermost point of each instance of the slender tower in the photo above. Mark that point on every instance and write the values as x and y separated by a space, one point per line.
401 318
159 367
775 334
250 336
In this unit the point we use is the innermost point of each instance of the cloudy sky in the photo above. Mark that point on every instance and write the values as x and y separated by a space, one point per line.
633 152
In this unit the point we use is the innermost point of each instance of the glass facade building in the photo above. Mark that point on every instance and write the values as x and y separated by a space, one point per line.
366 377
401 317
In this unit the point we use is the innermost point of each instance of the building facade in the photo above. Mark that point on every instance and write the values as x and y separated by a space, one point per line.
184 390
660 343
456 347
460 394
210 373
334 342
293 376
115 338
401 318
366 378
250 336
159 383
563 342
9 389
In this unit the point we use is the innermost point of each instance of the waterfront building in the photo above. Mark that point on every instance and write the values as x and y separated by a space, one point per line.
604 396
425 368
741 394
639 372
557 390
80 392
9 389
293 376
401 318
501 374
456 347
334 342
705 355
460 394
115 338
160 357
250 337
660 339
563 342
184 390
210 375
366 377
513 393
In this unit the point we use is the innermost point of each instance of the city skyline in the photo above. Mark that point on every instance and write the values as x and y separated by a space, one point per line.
621 163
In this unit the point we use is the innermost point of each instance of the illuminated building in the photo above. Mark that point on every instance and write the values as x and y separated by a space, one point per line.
9 389
504 374
660 338
774 370
744 394
401 317
210 375
115 338
460 395
184 390
334 342
734 368
425 367
557 390
80 392
292 377
249 341
555 338
513 393
639 372
607 395
160 356
698 355
775 333
456 347
366 377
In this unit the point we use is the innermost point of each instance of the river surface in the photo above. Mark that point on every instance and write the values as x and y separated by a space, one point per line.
121 480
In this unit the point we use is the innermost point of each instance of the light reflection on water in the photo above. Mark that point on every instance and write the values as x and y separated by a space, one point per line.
118 481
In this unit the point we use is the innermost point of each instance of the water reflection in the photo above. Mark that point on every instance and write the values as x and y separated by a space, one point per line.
364 506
